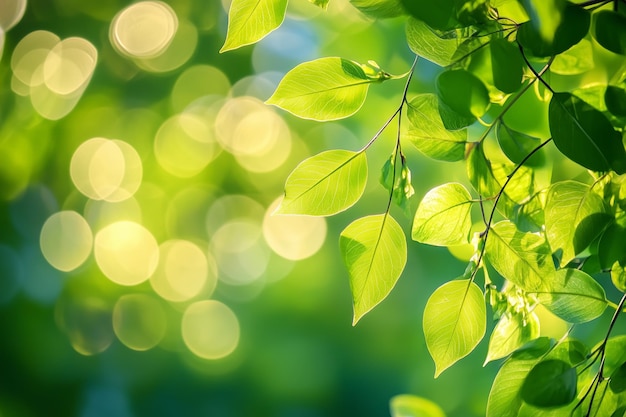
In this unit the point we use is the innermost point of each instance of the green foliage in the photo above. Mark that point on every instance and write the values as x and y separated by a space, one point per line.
524 88
454 322
251 20
411 406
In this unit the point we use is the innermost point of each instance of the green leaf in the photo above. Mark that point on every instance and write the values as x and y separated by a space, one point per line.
551 383
406 405
573 296
321 3
585 135
610 247
463 93
437 15
615 99
512 331
387 172
441 48
546 16
517 145
374 250
617 382
428 133
325 184
504 398
324 89
507 65
403 189
522 258
443 216
251 20
454 322
610 30
379 9
572 27
575 216
618 276
576 60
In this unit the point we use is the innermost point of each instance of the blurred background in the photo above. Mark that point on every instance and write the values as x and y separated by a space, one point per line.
141 271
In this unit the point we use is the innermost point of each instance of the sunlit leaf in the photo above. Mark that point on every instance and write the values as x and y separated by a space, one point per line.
517 145
545 16
251 20
576 60
454 322
321 3
507 65
406 405
585 135
550 383
428 133
610 30
325 184
618 276
512 331
575 216
379 9
443 216
463 93
504 398
573 296
324 89
374 250
522 258
572 27
618 379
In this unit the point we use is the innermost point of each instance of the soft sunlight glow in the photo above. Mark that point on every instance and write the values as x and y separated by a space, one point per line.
11 13
139 321
183 271
69 66
126 253
293 237
144 29
100 213
210 329
29 55
66 240
184 145
232 207
104 169
182 47
196 82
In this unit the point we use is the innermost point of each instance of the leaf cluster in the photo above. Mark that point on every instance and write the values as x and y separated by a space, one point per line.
534 241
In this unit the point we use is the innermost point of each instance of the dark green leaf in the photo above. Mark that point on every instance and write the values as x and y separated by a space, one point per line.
387 173
507 65
437 15
463 93
321 3
610 31
575 216
403 189
585 135
573 26
428 133
618 379
517 145
443 216
573 296
374 251
379 9
551 383
522 258
610 247
615 99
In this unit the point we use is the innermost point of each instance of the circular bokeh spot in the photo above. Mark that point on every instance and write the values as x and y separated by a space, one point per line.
139 321
66 240
210 329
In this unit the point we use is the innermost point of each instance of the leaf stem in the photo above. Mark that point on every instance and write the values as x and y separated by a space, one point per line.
534 71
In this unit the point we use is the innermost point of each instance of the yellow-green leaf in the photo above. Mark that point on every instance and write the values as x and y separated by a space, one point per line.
406 405
454 322
374 250
251 20
325 184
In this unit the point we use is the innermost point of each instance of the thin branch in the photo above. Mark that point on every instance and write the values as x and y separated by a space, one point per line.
537 75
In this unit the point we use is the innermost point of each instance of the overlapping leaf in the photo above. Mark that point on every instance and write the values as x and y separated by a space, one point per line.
512 332
454 322
374 250
379 9
325 184
251 20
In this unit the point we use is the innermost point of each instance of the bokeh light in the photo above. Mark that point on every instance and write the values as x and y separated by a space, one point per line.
86 320
182 47
183 271
104 169
66 240
29 55
144 29
11 13
69 66
126 252
293 237
139 321
210 329
198 81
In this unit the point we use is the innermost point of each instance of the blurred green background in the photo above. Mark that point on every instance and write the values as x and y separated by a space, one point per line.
141 273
